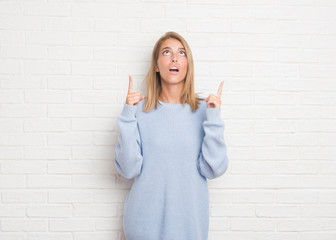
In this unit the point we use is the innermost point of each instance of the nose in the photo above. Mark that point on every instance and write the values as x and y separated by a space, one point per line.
174 58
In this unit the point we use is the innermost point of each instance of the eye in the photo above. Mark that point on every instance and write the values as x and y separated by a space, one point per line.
183 53
164 52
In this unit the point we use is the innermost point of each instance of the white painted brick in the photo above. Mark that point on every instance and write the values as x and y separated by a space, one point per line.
246 167
298 225
150 26
71 225
11 125
69 110
109 224
229 210
47 153
94 210
23 167
108 195
321 210
94 181
275 126
285 196
94 10
24 196
299 168
46 125
9 210
94 38
12 37
97 235
46 67
76 24
219 224
208 26
89 125
298 27
46 96
327 167
70 53
47 38
92 97
50 181
12 181
9 66
253 196
315 153
90 153
300 139
70 82
20 82
70 196
116 25
11 152
13 236
28 52
49 9
21 22
68 139
253 26
68 167
8 8
277 211
53 211
49 236
253 224
93 68
22 224
140 10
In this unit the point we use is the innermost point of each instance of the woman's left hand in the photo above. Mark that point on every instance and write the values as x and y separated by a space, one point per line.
214 101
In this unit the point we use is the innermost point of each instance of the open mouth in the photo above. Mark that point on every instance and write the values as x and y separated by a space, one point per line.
173 69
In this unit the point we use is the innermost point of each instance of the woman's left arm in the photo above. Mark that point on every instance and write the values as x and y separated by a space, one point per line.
213 160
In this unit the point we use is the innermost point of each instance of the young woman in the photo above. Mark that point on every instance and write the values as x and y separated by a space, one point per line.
171 141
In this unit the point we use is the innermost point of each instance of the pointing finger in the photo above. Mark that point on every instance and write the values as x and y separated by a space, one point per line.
130 84
219 92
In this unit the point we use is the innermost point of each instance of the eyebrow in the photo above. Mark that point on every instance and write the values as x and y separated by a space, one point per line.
170 48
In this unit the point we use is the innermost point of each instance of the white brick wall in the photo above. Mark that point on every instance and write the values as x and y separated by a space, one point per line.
64 69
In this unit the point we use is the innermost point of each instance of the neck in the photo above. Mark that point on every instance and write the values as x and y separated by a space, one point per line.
171 93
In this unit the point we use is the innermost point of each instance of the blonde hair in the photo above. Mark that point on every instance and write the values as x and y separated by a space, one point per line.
153 84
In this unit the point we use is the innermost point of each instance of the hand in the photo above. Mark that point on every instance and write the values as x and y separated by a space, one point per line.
133 98
214 101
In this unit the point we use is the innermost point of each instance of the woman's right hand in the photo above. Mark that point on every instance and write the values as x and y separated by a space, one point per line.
133 98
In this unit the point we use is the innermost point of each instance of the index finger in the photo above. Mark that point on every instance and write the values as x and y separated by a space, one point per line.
219 92
130 84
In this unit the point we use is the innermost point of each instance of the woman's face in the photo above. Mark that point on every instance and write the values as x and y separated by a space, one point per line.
172 55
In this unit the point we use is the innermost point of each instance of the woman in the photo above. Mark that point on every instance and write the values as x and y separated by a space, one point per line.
171 141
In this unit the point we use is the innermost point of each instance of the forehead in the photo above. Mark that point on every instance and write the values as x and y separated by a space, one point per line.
172 43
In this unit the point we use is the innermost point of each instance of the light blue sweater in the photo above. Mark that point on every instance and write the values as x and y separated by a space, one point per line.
170 151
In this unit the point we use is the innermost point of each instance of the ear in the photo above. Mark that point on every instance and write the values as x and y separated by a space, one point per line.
157 69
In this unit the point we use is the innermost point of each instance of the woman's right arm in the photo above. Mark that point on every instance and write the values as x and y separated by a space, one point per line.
128 152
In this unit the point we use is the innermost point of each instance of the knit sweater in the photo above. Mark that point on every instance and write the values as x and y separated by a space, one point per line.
171 151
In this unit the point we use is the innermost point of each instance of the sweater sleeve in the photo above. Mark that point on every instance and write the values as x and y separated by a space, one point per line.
213 160
128 152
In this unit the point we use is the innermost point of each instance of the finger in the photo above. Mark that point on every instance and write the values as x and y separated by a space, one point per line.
219 92
130 84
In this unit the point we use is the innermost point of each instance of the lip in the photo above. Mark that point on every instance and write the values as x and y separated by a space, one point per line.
173 72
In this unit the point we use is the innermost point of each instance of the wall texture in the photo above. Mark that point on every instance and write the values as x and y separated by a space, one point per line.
64 69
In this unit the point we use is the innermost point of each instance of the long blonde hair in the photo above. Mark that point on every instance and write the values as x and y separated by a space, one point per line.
153 84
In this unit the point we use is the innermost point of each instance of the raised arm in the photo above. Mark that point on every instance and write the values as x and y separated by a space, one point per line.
213 160
128 152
